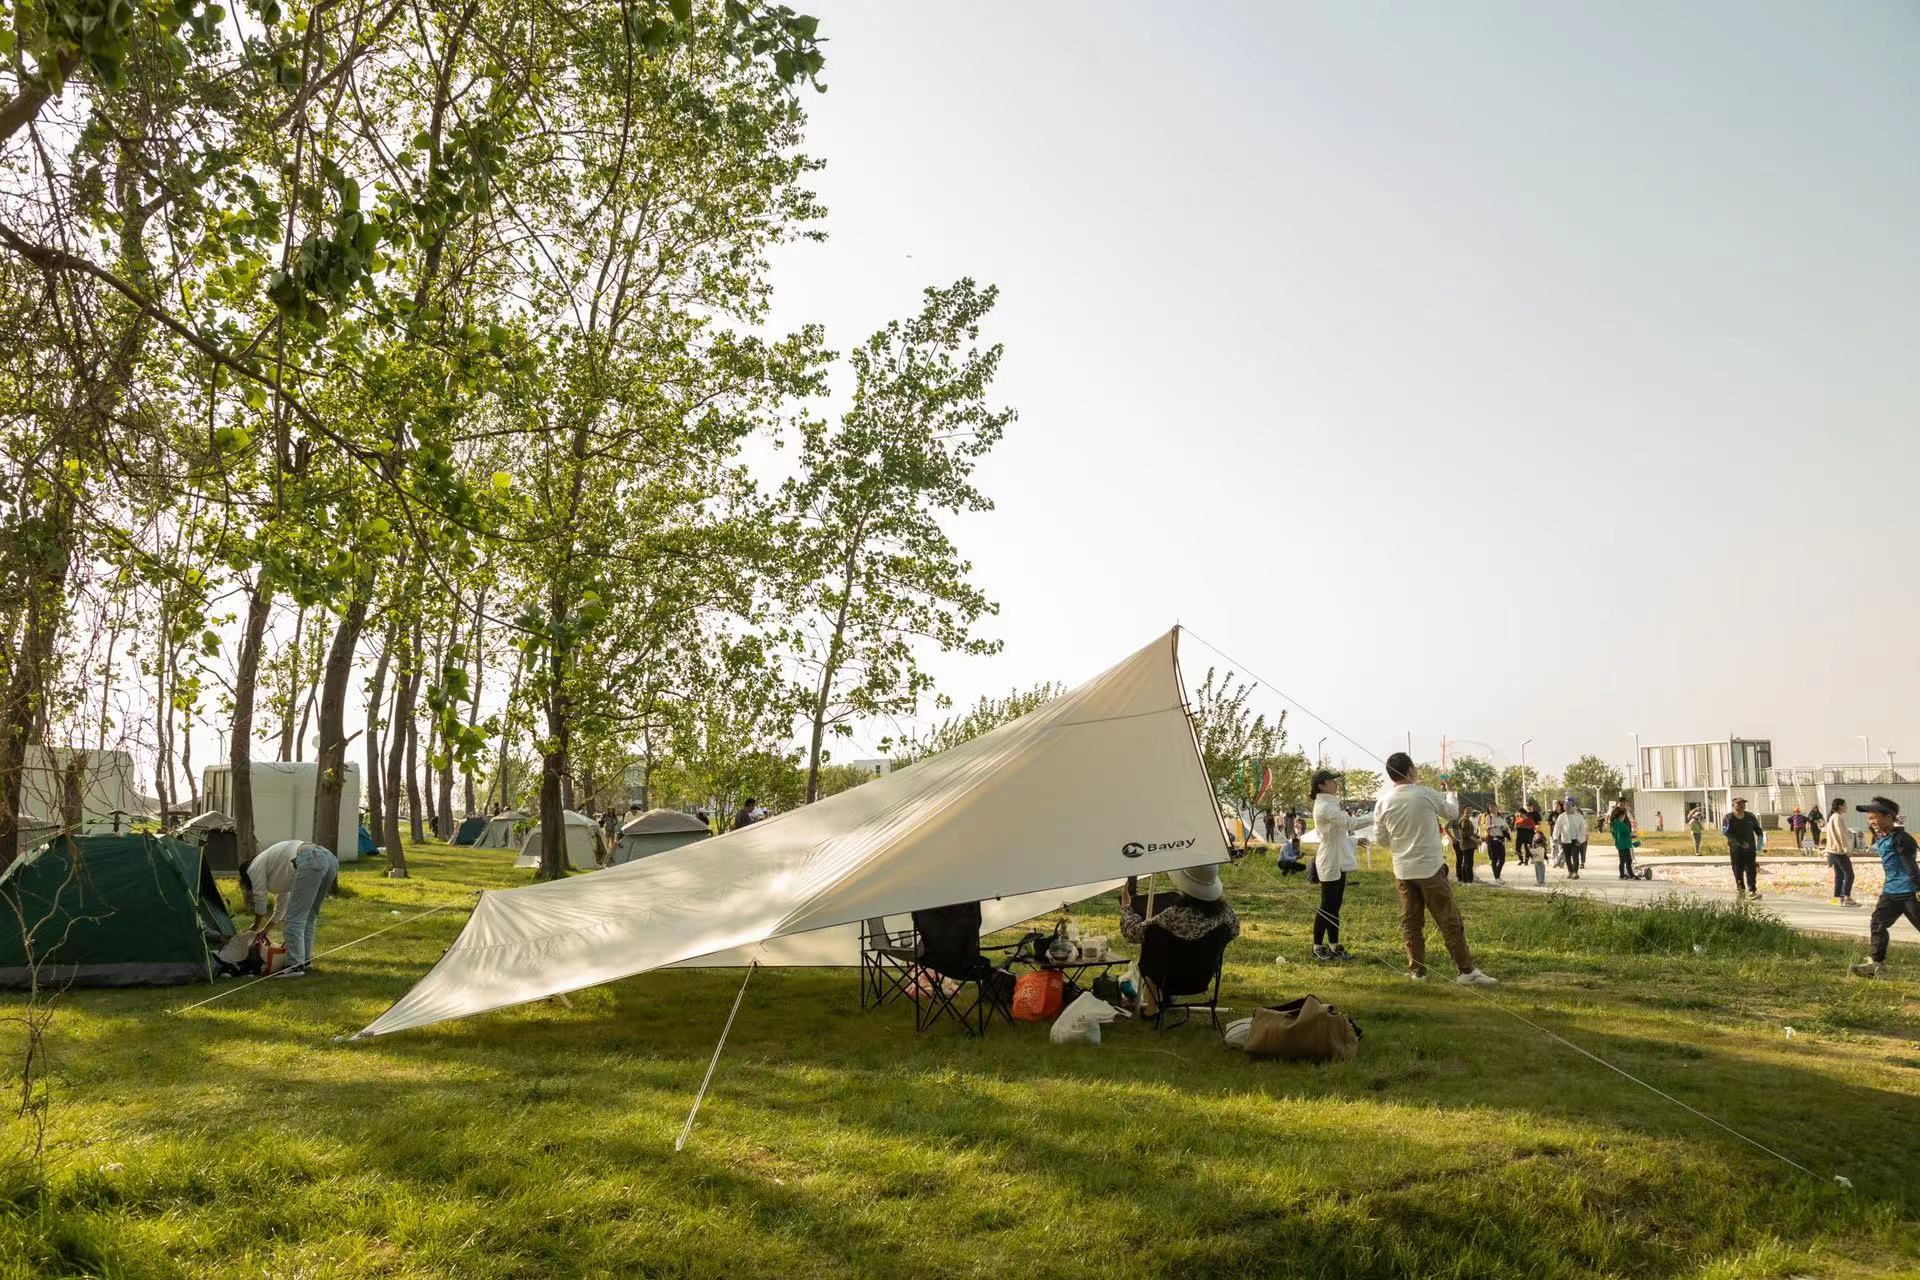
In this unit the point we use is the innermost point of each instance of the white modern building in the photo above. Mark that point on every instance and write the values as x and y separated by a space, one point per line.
1676 777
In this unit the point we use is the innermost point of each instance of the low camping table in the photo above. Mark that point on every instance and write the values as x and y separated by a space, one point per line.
1076 970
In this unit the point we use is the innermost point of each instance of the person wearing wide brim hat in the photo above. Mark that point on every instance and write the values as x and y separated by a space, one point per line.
1190 916
1900 894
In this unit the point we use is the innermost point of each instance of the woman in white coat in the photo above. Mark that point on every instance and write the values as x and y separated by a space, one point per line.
1335 828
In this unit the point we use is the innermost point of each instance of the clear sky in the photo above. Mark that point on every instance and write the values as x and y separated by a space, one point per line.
1500 371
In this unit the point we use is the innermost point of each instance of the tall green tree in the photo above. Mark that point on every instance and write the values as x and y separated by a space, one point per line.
1470 773
874 570
1235 740
1593 780
982 717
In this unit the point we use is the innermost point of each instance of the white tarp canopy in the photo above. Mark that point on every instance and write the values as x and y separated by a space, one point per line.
582 843
1099 784
499 833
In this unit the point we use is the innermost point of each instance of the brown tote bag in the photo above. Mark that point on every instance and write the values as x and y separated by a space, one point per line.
1306 1029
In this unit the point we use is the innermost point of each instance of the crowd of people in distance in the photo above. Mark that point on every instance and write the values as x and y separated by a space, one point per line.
1417 825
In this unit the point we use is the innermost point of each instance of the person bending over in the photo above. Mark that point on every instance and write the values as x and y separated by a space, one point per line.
297 876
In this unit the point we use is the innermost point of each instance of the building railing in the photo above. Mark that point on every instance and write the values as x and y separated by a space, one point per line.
1846 775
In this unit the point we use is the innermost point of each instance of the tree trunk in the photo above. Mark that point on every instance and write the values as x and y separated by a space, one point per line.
246 682
473 684
554 783
293 686
497 793
375 780
20 714
331 749
411 728
831 666
163 723
396 749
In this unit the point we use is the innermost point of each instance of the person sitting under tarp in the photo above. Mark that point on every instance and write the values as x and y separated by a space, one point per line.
1182 942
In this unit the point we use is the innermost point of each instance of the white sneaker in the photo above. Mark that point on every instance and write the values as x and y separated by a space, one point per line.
1867 969
1416 977
291 973
1475 978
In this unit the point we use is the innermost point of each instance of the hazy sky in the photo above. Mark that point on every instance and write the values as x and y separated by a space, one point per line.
1493 370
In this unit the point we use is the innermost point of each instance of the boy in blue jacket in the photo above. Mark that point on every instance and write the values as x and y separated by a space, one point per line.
1898 854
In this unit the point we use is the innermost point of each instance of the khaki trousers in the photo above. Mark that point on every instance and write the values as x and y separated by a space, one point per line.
1417 898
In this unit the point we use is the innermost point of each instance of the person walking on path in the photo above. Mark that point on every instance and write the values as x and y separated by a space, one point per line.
1570 837
1464 833
1742 831
1495 832
1659 820
1406 822
1335 858
1898 900
1816 821
1839 845
297 875
1697 824
1797 823
1620 827
1525 824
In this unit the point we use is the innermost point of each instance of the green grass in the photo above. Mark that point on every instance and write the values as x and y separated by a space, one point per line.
240 1140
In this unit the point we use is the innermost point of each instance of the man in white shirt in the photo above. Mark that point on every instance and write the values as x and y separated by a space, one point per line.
1407 822
297 876
1570 836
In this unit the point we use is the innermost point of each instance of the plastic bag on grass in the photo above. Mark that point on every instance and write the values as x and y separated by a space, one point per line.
1080 1024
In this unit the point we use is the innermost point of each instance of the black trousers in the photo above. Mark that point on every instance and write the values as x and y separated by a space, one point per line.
1496 856
1891 907
1523 845
1746 862
1463 865
1326 921
1842 874
1626 862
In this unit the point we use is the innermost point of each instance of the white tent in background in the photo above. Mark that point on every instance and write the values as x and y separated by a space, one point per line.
1101 783
283 802
499 833
657 831
582 843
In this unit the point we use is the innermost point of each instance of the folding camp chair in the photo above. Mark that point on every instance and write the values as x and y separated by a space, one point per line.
886 961
1186 974
950 953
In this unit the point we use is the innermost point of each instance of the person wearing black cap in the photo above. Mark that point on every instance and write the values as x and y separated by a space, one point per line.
1899 855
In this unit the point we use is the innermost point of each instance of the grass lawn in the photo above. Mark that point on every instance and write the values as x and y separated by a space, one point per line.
240 1140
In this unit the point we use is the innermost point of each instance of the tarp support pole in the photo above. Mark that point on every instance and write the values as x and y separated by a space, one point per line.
687 1130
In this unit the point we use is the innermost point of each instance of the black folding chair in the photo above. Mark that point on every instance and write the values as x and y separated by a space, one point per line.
950 952
1185 974
886 961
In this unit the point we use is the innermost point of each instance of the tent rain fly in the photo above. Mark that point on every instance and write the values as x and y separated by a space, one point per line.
1099 784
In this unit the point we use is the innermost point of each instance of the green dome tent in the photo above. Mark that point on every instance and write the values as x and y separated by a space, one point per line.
109 911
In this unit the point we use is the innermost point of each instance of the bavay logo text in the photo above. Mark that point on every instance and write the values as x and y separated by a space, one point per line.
1135 849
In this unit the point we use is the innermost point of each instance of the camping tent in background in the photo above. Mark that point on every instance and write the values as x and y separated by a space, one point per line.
214 833
584 842
472 827
283 802
368 845
500 831
109 911
978 822
656 831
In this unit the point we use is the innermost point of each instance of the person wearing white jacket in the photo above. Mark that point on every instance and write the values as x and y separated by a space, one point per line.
1335 829
1570 834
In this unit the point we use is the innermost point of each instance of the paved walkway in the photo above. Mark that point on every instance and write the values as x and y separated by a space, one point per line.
1602 883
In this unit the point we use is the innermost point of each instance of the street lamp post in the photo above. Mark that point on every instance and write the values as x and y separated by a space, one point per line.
1320 753
1866 748
1634 773
1891 776
1526 790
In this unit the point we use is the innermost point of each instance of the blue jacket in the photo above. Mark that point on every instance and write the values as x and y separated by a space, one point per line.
1897 852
